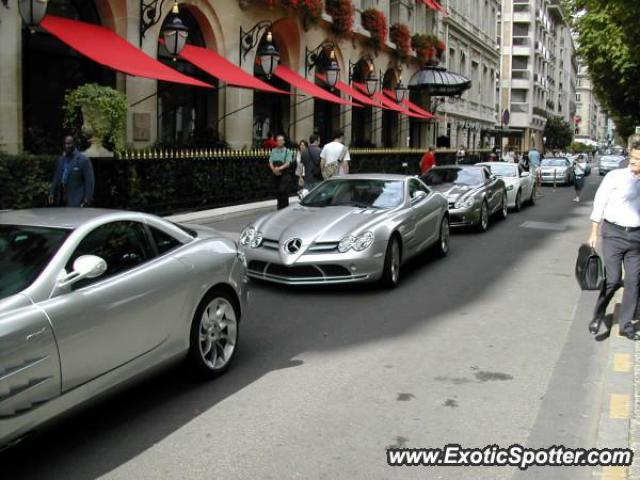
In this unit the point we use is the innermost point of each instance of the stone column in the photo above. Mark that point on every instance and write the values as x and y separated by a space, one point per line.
236 128
11 80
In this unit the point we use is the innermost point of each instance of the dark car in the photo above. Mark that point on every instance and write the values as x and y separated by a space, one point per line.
473 193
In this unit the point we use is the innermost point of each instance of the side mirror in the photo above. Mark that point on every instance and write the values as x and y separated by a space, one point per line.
525 174
418 196
85 266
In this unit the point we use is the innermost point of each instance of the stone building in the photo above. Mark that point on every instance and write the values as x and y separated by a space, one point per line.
36 69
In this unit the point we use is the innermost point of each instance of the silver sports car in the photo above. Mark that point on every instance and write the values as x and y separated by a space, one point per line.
90 298
353 228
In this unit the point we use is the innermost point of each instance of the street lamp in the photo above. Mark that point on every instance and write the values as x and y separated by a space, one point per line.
175 35
32 12
401 91
151 13
369 78
269 56
318 54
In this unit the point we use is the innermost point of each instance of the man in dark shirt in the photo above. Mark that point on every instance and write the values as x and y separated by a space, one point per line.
313 172
73 181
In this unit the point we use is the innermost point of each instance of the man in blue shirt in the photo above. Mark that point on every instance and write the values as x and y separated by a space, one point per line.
534 164
73 181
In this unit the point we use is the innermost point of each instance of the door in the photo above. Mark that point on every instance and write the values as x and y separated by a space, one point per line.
526 182
425 211
493 193
130 310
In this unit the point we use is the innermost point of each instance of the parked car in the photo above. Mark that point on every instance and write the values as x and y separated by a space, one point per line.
356 228
521 185
611 162
557 170
92 298
473 193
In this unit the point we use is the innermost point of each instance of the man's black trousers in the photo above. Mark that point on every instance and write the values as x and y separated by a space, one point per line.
620 247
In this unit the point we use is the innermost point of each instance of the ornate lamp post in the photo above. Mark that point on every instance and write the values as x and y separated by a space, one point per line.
401 91
369 78
151 13
175 35
313 56
32 12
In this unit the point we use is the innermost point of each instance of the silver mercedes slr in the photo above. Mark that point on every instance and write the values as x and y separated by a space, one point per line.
354 228
91 298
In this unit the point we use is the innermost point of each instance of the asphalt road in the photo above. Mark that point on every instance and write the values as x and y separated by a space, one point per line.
483 347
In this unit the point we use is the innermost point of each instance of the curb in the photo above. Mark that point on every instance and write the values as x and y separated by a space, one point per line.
225 212
634 434
617 398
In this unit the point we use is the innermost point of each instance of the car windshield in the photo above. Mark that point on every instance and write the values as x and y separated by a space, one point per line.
364 193
504 170
554 162
457 176
24 253
612 159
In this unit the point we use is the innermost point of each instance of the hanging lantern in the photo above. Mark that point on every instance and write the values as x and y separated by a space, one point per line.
371 81
333 70
175 35
401 91
32 12
269 56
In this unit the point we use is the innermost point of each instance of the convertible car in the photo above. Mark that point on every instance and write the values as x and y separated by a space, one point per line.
355 228
521 185
473 192
91 298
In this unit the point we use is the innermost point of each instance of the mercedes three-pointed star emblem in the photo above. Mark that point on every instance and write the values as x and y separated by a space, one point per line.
292 246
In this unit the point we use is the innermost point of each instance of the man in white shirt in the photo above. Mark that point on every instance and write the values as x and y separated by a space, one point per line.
616 218
334 157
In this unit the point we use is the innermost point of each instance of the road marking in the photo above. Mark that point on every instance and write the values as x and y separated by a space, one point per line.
619 406
622 362
614 473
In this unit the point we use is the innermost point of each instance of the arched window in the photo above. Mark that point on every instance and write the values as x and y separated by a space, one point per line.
362 118
49 70
326 115
187 115
390 120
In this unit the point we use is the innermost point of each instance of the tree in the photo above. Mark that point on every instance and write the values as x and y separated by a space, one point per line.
609 44
558 133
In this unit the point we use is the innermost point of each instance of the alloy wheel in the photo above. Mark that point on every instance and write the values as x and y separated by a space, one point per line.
395 261
218 333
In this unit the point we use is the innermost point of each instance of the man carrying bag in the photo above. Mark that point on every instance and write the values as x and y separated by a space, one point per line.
335 158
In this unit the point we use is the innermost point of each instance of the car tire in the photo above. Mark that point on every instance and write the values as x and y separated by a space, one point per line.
519 201
504 207
215 329
392 260
483 222
442 247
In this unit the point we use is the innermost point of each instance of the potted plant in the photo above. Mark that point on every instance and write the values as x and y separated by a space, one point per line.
343 13
400 34
375 22
100 114
429 48
310 11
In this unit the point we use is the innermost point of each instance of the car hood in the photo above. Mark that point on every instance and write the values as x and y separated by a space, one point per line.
319 224
453 193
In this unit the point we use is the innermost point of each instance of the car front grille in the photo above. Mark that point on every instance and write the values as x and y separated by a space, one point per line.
319 247
311 271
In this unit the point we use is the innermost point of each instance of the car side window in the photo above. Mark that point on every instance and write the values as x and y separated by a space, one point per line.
123 245
164 242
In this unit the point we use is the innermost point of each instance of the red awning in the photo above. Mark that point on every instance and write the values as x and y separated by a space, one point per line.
355 94
416 109
388 100
221 68
299 82
111 50
435 5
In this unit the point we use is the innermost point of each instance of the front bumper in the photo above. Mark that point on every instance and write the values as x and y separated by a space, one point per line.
317 268
558 178
464 217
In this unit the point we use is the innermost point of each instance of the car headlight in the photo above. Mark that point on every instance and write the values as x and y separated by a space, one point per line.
468 203
358 243
509 188
251 237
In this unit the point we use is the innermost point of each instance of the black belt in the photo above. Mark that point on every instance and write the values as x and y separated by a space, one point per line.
620 227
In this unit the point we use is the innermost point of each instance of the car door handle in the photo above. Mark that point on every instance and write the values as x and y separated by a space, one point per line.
35 334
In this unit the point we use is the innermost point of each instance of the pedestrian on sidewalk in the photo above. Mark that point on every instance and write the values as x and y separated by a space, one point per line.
579 180
428 161
73 180
461 154
616 218
280 161
534 164
334 157
270 142
307 168
315 151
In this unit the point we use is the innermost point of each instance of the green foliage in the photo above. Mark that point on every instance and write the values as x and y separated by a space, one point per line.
25 180
558 133
609 44
106 109
579 147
